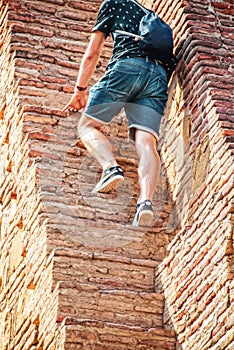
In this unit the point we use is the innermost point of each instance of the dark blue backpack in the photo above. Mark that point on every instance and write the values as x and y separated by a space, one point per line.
155 37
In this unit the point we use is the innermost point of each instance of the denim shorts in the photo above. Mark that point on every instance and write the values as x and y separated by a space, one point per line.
137 85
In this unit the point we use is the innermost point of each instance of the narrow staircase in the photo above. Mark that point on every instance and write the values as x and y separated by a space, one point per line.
110 299
110 295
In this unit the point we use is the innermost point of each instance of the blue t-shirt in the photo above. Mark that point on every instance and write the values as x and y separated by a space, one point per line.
121 15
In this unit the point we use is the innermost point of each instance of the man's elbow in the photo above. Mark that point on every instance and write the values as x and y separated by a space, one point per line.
92 55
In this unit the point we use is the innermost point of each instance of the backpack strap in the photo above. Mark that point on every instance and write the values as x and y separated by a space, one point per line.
135 36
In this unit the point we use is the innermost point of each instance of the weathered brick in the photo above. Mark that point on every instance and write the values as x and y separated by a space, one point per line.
21 28
45 200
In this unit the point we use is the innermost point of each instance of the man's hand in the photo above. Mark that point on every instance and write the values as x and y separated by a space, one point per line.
77 102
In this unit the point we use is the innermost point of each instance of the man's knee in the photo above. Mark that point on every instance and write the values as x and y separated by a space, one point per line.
145 139
146 146
86 123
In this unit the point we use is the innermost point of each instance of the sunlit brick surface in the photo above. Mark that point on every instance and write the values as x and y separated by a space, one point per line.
74 273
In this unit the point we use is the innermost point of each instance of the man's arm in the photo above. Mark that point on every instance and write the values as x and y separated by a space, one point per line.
88 65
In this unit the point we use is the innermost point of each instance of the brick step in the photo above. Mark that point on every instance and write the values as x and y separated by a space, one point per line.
120 241
97 335
118 306
90 235
105 271
72 231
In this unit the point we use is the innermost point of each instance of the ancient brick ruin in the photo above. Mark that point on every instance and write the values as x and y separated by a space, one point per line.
74 273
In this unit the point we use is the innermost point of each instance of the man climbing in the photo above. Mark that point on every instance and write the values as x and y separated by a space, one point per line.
133 81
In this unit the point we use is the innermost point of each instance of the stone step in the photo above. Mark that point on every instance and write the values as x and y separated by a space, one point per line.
97 335
119 306
105 271
89 235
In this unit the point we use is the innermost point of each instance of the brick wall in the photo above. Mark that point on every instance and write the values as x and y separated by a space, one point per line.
26 291
63 248
197 150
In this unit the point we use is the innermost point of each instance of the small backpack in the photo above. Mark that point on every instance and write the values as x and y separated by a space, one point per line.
155 37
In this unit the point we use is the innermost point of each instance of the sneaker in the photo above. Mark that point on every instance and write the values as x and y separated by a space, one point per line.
111 178
144 214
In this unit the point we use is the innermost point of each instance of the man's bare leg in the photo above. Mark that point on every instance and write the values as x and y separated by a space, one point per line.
100 148
148 172
95 142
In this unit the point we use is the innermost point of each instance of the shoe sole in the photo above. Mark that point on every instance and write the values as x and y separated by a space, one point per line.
110 185
145 218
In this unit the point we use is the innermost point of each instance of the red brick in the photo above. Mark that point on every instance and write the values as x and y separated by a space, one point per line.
21 28
42 174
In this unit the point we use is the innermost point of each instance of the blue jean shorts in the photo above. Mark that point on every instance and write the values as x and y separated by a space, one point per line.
136 85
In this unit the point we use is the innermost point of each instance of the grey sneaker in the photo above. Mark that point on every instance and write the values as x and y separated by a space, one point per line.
110 179
144 214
